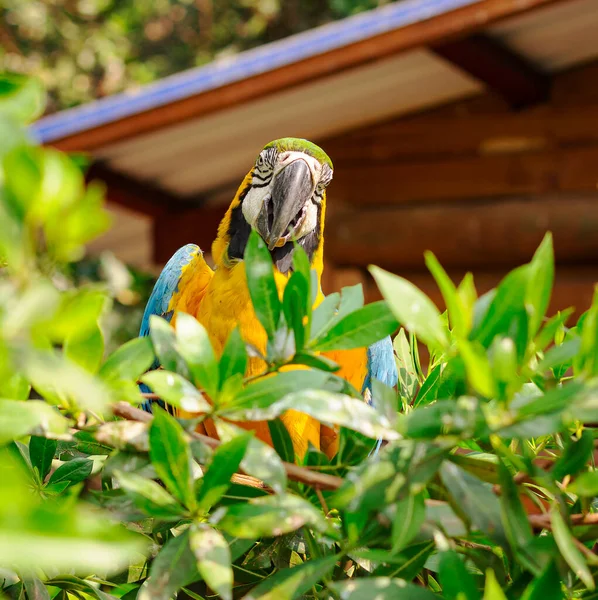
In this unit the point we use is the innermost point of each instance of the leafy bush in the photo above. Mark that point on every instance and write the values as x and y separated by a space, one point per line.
485 485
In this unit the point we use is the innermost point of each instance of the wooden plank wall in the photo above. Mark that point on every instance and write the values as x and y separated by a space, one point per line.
478 184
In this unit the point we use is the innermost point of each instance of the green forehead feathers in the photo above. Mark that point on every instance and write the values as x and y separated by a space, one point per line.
299 145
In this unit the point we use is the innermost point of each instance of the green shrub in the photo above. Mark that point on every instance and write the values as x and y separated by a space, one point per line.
485 486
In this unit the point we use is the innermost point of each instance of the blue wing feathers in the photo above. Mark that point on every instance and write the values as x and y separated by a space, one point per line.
383 367
167 285
159 300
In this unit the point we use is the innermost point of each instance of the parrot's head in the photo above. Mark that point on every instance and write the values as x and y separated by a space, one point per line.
283 198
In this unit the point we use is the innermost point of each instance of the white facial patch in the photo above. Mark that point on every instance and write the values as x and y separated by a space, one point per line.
253 202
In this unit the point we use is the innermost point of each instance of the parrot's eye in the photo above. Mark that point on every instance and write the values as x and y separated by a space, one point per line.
264 167
325 179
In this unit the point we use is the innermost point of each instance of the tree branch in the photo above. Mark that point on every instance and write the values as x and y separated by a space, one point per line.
294 472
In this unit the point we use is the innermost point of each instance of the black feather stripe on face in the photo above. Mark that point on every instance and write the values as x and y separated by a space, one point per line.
239 230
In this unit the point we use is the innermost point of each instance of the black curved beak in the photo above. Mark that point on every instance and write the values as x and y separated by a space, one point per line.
282 211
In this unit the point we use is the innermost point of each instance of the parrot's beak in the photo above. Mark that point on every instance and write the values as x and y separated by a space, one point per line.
284 211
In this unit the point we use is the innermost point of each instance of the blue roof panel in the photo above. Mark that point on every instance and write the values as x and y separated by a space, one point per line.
225 71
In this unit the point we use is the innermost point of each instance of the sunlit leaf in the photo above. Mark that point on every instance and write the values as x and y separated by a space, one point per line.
176 391
18 419
573 556
171 456
225 462
293 582
413 309
130 361
359 328
193 343
271 516
213 559
381 588
261 284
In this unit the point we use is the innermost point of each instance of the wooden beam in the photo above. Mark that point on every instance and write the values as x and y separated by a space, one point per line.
173 230
469 177
503 71
424 138
459 22
138 196
482 234
573 286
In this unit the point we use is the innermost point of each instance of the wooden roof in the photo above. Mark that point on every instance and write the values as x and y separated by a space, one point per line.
173 152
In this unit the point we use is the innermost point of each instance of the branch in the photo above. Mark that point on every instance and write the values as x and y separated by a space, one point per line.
322 481
294 472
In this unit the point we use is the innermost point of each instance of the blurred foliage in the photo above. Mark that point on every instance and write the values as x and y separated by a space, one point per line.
485 486
86 49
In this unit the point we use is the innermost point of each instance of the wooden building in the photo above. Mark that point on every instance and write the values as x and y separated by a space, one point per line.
467 127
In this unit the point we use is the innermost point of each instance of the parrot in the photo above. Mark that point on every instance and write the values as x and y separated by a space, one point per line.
282 197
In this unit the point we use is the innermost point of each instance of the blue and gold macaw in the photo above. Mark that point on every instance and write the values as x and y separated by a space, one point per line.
282 196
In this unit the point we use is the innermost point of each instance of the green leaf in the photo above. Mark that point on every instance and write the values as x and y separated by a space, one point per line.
539 286
555 324
473 500
585 485
193 343
35 589
413 309
261 284
314 361
234 357
281 440
18 419
73 471
359 329
176 391
429 389
271 516
562 354
493 590
130 361
58 380
575 457
324 315
381 588
260 460
150 497
225 462
459 319
41 453
407 372
331 408
457 583
547 585
213 559
351 299
267 390
514 518
165 346
573 556
295 305
171 456
174 567
477 367
506 306
87 351
293 582
22 97
408 519
462 417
